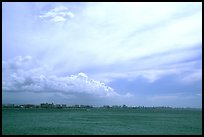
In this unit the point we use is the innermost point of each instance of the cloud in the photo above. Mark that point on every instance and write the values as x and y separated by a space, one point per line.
163 97
58 14
183 72
129 95
196 75
136 40
20 79
106 41
199 94
127 36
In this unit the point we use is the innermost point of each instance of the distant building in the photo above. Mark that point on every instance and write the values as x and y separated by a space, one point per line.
29 106
10 105
17 106
124 106
46 105
76 106
116 106
106 106
64 106
58 106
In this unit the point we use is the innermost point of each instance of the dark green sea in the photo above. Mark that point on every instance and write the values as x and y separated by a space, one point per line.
101 121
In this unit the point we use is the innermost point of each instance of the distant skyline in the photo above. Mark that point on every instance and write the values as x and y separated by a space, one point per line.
135 53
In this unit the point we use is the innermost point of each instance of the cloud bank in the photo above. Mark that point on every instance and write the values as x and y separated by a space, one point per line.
20 77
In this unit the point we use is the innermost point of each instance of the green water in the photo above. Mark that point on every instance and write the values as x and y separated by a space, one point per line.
101 121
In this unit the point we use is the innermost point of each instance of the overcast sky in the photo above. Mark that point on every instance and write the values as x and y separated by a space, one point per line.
102 53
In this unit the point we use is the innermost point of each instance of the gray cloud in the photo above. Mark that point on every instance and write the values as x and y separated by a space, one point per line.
22 78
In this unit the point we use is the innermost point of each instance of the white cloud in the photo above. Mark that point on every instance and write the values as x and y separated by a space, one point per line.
21 79
58 19
60 8
123 35
116 33
58 14
129 95
118 37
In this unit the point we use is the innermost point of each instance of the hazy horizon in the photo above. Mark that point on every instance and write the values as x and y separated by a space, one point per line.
137 54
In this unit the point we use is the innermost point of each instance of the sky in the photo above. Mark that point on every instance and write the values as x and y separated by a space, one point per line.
138 54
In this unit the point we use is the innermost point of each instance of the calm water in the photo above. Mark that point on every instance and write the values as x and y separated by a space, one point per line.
101 121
